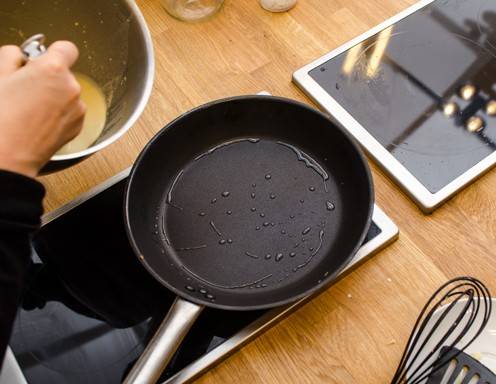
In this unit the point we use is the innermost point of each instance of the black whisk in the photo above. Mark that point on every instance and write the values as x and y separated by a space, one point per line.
466 307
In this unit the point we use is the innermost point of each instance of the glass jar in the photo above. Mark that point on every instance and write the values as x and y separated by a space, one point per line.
192 10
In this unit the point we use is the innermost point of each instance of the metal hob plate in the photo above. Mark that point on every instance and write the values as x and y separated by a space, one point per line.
67 329
418 92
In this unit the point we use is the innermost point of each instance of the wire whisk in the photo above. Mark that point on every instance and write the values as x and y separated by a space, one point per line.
462 308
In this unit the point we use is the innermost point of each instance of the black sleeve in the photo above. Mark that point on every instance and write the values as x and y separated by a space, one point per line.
20 211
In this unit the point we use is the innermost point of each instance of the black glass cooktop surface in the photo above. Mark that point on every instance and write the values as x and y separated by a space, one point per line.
90 307
425 88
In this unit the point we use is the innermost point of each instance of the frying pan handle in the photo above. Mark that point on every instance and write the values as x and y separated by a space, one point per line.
164 344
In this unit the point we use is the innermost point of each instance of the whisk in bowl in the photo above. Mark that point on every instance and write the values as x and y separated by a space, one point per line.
454 316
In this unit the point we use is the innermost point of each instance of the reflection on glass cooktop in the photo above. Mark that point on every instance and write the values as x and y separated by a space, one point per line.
425 88
90 308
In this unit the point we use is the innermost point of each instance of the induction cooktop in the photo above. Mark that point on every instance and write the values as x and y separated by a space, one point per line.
419 93
90 308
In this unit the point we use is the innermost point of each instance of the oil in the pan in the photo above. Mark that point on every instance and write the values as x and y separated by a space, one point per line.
279 257
216 230
229 213
257 228
253 209
268 176
272 196
202 214
253 256
292 254
229 241
330 206
190 288
262 215
306 231
222 242
309 162
203 291
268 256
311 189
253 195
214 201
226 194
266 224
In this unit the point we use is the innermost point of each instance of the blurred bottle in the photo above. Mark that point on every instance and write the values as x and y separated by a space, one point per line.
192 10
278 5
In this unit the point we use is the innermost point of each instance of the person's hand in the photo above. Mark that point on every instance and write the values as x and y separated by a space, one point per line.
40 106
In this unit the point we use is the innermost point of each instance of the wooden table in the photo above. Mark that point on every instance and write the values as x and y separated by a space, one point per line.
355 331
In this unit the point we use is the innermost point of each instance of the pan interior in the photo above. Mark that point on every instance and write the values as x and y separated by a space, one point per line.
250 215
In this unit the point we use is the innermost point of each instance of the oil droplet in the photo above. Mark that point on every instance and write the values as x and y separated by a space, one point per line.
291 216
304 239
302 201
262 215
225 194
279 257
264 285
272 196
190 288
229 241
257 229
330 206
311 189
253 195
310 249
254 185
202 214
266 224
306 231
268 256
222 242
292 254
272 224
253 209
210 296
283 232
268 177
214 201
229 212
203 291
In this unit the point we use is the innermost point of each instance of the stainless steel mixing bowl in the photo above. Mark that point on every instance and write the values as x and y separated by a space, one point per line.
115 50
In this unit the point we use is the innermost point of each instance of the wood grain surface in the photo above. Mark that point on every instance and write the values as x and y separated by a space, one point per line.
355 331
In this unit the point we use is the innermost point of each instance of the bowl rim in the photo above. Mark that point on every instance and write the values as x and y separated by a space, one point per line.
140 107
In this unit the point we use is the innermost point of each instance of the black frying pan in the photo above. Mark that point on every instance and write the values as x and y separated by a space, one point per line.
244 204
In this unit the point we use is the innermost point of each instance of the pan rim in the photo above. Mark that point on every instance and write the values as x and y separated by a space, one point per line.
325 282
